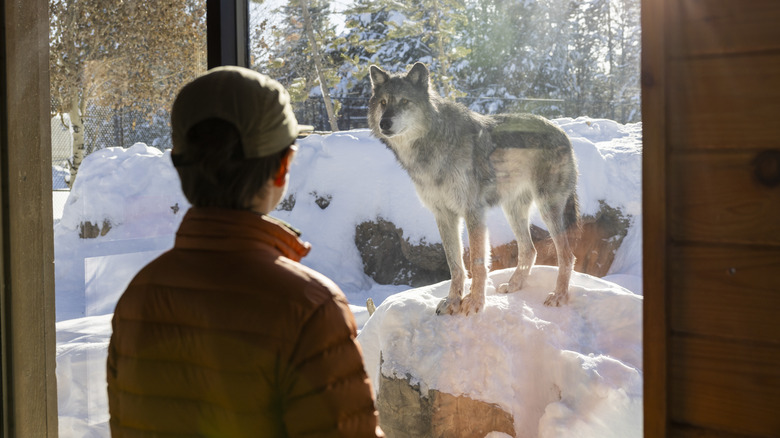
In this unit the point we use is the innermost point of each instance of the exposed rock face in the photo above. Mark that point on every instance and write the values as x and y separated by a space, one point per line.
88 230
389 258
405 412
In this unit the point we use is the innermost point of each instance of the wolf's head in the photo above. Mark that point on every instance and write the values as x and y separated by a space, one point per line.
400 103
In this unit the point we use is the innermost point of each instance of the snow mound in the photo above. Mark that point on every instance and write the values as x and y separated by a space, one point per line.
136 189
568 371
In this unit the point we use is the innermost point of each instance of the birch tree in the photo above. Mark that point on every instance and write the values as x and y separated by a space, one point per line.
302 56
136 52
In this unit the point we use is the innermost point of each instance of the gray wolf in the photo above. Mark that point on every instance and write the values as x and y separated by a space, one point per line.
462 163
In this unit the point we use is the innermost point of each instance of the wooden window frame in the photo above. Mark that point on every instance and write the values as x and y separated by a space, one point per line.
655 331
27 313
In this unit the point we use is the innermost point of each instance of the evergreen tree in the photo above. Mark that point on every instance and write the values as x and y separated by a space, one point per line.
626 60
501 40
395 35
302 58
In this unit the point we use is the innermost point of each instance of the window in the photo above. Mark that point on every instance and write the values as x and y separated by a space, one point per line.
574 62
117 203
484 54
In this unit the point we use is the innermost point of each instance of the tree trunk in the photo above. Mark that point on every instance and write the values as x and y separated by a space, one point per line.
77 125
318 66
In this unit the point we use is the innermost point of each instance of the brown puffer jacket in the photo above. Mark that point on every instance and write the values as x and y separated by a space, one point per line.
227 335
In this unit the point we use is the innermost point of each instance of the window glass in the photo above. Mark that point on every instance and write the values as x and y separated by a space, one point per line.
115 68
576 63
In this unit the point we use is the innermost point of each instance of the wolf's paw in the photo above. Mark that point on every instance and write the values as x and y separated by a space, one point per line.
556 299
472 303
449 306
503 288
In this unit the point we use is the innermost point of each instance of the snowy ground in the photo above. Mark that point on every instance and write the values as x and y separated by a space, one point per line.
574 371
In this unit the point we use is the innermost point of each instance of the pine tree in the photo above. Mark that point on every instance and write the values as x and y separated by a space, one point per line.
395 35
301 54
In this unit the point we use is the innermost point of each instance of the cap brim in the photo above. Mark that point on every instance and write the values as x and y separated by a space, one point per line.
305 130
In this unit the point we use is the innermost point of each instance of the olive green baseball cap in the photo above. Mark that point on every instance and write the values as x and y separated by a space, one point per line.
258 106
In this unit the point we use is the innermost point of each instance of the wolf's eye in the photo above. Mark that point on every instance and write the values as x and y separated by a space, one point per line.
383 102
404 101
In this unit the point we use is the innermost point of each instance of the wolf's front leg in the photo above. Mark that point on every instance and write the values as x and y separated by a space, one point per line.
479 255
449 229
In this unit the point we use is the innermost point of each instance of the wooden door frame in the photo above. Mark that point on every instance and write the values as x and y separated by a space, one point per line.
654 214
27 313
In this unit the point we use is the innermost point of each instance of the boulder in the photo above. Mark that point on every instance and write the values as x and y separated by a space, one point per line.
389 258
88 230
408 412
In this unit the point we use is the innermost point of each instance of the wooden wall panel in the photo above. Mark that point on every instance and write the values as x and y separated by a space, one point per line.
721 27
715 293
717 198
687 431
723 385
724 102
726 292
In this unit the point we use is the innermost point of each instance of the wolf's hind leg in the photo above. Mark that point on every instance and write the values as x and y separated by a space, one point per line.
449 229
516 213
479 255
552 214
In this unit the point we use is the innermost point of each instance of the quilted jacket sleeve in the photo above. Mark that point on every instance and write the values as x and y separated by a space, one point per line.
326 390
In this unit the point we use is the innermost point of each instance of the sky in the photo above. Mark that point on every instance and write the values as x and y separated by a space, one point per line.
573 371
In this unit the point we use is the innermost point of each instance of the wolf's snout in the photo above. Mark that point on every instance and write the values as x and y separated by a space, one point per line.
386 123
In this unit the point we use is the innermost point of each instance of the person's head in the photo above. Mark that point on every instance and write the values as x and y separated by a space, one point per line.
233 132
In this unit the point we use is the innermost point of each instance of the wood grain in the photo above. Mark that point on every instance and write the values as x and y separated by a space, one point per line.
724 103
727 292
724 385
723 27
686 431
29 386
717 198
654 182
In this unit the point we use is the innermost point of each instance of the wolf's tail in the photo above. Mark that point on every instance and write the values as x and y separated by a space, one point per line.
571 218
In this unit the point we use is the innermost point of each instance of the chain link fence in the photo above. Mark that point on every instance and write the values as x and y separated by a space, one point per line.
105 127
110 127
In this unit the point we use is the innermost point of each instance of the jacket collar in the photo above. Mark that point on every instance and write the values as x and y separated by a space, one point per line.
234 230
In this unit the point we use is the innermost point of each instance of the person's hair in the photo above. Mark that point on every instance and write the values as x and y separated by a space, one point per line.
214 172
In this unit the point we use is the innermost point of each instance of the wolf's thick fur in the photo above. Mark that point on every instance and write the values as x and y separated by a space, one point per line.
462 163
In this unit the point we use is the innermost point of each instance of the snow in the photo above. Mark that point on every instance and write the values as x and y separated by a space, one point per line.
572 371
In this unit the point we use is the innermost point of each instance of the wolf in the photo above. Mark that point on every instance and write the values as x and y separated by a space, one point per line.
463 163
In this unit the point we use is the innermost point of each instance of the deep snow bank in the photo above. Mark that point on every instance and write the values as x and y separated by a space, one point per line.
568 371
137 190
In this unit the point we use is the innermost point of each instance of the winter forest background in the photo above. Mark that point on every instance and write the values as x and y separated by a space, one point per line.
116 65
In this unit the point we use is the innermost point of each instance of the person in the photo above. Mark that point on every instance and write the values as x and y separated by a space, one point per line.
227 334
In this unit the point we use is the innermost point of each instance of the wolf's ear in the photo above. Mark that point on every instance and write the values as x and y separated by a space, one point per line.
378 76
418 75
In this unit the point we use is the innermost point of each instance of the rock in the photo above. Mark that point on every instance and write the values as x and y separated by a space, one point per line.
88 230
389 258
322 201
405 412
